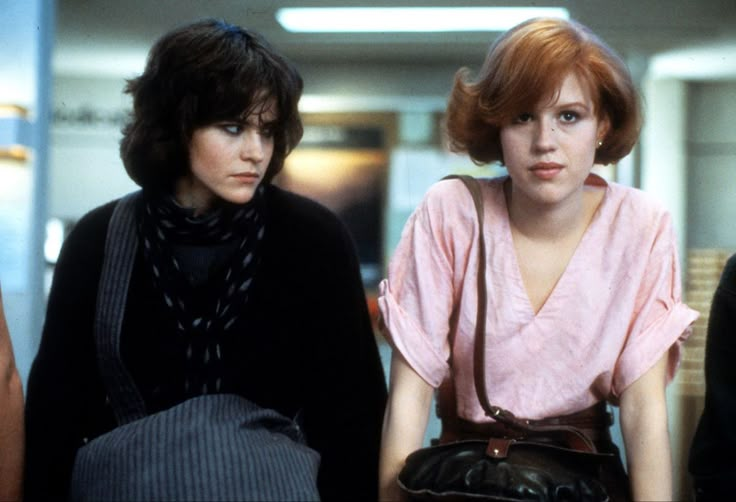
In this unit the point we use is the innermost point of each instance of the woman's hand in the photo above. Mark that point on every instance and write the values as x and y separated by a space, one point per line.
646 435
11 417
404 424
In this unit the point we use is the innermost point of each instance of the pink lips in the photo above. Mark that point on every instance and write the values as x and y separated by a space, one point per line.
546 170
247 177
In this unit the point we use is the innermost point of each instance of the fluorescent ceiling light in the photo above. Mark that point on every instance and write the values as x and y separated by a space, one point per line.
409 19
716 62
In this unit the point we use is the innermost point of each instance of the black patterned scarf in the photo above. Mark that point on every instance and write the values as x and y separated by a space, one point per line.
202 320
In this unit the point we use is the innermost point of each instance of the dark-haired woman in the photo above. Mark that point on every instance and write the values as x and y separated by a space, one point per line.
583 285
237 287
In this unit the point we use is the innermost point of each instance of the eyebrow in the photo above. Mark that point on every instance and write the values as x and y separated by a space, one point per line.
257 119
572 104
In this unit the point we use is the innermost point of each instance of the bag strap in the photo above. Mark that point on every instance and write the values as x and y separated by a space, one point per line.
121 243
572 435
479 352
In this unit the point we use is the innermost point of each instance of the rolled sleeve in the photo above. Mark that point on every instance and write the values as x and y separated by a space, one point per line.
410 340
417 298
666 334
662 321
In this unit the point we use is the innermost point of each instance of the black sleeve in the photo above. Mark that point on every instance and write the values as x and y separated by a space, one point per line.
711 462
63 386
344 418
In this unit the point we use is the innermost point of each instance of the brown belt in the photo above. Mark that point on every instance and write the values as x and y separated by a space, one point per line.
593 422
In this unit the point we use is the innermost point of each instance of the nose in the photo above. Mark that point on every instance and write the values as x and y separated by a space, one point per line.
251 147
545 138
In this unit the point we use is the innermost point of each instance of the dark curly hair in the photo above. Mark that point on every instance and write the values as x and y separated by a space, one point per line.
527 64
196 75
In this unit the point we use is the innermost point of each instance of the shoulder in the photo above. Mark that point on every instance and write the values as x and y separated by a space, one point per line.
450 197
302 222
286 205
728 277
634 211
632 199
93 225
448 207
77 271
306 243
452 191
86 241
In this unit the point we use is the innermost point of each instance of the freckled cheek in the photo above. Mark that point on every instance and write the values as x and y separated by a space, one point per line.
514 149
510 145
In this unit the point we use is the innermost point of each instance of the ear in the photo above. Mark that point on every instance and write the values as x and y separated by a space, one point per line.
604 126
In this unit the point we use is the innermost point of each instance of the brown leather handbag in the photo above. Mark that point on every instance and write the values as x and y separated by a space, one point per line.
513 459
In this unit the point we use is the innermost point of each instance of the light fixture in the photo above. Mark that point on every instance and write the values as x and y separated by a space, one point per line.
409 19
55 233
15 133
12 111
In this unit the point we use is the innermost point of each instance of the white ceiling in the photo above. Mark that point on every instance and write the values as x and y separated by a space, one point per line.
111 37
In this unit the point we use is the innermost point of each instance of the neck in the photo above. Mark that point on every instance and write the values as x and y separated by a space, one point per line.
187 195
546 222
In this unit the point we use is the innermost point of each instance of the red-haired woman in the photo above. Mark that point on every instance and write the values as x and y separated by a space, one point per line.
583 286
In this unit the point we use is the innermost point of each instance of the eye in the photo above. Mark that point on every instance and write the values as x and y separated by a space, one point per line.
569 116
267 130
523 118
233 128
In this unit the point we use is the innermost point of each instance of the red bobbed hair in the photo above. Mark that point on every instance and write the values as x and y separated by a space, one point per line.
528 64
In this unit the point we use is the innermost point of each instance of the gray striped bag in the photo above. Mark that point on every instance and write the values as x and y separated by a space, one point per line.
212 447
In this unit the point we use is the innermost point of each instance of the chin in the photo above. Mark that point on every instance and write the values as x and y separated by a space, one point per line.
550 196
244 199
235 198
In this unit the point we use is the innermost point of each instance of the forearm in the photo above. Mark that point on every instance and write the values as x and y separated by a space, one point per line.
397 442
645 430
649 458
11 438
11 418
404 424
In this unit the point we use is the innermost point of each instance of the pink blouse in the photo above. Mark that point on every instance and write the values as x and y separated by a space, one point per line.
612 315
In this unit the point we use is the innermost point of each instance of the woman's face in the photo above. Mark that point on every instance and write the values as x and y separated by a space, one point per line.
228 160
549 150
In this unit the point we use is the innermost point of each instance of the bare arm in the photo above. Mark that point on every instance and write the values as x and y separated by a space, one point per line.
11 418
404 424
646 435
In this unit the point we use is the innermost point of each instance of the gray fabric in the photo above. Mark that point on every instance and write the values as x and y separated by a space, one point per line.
120 248
215 447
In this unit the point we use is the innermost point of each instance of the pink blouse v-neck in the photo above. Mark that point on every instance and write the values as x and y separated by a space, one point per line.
614 312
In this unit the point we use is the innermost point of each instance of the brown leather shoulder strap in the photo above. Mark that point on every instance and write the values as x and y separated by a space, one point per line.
479 351
580 440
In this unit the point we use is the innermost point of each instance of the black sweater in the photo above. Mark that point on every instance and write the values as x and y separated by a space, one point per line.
712 461
304 345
